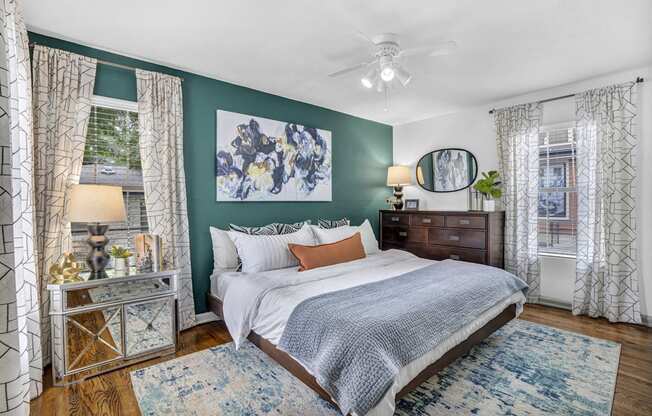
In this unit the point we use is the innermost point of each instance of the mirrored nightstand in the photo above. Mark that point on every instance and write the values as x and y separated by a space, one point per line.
100 325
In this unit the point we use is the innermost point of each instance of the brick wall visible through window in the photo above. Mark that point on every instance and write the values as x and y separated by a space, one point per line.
112 157
557 192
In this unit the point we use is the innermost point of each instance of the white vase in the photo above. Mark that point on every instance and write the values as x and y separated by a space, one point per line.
121 265
489 205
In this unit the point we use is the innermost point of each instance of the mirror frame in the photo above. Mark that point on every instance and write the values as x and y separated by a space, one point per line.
477 169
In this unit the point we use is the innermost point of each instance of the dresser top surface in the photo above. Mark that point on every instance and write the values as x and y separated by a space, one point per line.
445 212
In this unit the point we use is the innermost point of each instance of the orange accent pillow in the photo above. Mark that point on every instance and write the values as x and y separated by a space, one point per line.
311 257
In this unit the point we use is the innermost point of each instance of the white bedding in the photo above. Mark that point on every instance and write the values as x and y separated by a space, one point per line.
263 302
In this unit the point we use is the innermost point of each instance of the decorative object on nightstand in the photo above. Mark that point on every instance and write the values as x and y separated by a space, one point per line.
398 177
66 270
148 252
103 324
411 204
489 186
121 259
97 205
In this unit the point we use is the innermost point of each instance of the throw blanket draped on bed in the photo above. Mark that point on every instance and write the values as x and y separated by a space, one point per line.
356 340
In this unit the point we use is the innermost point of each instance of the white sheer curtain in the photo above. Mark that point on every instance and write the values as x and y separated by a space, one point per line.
160 118
517 139
63 87
20 345
606 281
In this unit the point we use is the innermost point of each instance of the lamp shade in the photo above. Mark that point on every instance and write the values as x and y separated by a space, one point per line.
398 176
96 203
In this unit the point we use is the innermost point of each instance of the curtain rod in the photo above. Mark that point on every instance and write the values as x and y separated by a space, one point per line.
561 97
99 61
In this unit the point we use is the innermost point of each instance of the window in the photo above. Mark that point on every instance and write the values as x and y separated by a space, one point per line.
557 192
112 157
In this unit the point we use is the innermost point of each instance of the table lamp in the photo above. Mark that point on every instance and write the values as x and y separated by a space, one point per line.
398 176
97 205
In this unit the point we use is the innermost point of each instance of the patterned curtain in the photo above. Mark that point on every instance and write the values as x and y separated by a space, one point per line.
63 87
517 138
606 280
20 346
160 118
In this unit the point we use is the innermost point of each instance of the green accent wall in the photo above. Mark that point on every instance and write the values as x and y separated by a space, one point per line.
362 151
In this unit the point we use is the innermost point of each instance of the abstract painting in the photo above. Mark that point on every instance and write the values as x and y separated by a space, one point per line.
259 159
453 168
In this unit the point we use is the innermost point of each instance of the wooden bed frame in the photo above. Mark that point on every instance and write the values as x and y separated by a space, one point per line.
290 364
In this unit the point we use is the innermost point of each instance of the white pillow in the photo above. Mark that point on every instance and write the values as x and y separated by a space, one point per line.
332 235
259 253
225 256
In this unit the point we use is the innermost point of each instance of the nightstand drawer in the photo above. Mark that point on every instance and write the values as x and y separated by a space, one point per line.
117 292
457 237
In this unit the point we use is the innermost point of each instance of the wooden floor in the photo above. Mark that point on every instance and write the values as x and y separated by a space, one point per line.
111 394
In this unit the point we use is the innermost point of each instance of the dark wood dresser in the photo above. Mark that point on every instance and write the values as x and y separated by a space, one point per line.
472 236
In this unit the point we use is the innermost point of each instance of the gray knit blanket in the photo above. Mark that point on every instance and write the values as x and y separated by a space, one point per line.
356 340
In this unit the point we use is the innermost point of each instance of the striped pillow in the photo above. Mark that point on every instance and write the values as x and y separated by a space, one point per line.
324 223
269 229
290 228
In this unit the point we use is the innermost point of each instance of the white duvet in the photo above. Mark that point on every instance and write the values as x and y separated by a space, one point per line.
262 302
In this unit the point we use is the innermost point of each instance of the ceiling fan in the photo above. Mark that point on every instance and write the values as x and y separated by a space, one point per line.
385 64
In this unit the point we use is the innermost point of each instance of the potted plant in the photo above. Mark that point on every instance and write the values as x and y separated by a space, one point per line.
489 186
120 259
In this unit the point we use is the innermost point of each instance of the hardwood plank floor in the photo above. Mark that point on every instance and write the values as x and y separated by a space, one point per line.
111 394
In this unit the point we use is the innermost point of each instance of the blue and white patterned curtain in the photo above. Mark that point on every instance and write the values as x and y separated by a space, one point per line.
160 120
606 281
517 139
20 344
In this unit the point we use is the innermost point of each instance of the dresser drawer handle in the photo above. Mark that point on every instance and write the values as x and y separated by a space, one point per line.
454 238
395 219
465 222
426 220
402 233
454 257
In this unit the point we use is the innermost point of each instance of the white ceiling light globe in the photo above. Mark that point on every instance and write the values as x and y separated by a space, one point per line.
387 74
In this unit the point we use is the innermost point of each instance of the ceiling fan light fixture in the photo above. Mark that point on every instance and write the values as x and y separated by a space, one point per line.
403 76
369 79
380 85
387 73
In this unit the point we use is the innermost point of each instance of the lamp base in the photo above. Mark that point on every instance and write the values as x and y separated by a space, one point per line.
398 195
97 258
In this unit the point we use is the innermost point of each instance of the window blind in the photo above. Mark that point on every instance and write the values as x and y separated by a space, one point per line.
112 157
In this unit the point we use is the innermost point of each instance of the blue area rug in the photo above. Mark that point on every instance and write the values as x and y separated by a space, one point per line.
523 369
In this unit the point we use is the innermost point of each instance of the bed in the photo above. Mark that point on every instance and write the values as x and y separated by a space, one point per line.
257 307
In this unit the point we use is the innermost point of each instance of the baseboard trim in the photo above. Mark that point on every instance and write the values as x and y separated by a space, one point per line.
645 319
206 317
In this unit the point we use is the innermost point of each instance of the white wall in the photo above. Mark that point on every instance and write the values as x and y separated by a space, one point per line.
473 129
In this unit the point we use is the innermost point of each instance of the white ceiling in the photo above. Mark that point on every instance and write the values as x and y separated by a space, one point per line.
287 47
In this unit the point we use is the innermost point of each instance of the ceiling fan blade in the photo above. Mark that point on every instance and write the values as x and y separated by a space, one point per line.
349 69
437 49
363 36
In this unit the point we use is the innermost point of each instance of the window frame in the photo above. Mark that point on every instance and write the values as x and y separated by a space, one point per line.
566 189
119 105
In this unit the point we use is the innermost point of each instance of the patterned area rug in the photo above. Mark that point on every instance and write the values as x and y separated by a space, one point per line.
523 369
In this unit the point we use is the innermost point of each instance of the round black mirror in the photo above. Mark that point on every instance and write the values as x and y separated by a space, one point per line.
447 170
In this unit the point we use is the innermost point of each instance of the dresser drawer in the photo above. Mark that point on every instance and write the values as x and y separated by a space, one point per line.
457 253
465 221
457 237
420 220
405 234
396 219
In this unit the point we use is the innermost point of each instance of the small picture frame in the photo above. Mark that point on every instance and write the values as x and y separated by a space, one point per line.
411 204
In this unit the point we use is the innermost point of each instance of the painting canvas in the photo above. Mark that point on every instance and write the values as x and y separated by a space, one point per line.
453 169
259 159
